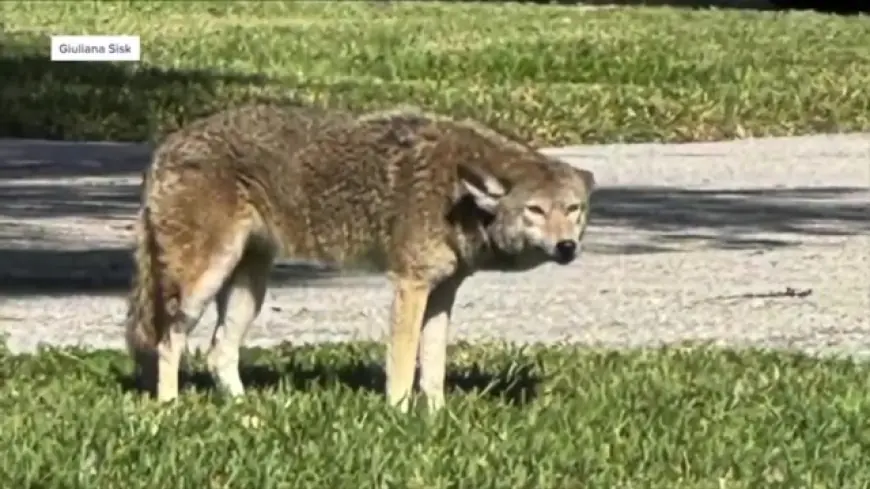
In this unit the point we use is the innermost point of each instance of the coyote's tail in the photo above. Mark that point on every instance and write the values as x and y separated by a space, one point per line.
147 315
142 331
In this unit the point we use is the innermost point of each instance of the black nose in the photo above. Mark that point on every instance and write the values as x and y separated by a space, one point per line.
566 250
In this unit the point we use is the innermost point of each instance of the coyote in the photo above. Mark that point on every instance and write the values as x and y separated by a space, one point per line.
435 198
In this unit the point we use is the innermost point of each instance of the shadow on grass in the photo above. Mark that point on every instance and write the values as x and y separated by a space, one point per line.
517 386
102 101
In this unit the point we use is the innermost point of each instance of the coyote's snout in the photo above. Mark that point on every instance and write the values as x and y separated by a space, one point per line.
437 198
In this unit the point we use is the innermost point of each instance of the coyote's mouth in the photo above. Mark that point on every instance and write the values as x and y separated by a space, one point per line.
521 260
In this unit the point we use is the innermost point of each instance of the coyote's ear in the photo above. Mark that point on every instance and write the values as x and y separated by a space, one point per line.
484 188
588 179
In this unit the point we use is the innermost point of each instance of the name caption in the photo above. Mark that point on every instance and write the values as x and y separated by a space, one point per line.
95 48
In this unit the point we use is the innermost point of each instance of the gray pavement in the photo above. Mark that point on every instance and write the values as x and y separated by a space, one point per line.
760 242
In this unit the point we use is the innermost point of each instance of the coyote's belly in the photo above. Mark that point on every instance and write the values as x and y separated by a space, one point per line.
348 238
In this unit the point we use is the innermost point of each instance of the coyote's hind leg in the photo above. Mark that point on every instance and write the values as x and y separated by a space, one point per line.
200 287
238 304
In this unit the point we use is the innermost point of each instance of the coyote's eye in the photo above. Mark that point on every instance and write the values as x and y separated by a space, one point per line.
535 209
572 208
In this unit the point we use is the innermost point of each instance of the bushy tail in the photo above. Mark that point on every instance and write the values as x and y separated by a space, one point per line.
142 331
147 315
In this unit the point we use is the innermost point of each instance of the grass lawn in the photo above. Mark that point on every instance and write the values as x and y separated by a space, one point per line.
534 417
555 417
552 74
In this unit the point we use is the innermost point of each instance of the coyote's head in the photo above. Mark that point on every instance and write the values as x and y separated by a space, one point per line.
539 216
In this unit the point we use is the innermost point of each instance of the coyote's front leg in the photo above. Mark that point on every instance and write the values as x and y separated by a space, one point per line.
433 344
409 306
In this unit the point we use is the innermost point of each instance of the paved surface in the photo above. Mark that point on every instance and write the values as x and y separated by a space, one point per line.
763 242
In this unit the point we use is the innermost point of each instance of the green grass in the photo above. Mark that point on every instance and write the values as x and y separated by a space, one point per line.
534 417
551 74
556 417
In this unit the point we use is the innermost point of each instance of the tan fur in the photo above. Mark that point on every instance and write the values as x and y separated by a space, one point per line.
192 203
430 198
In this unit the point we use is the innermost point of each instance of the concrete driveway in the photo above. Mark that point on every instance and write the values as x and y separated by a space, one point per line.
757 242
